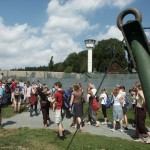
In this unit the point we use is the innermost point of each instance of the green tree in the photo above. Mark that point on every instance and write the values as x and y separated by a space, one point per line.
51 64
73 61
82 61
58 67
104 51
68 69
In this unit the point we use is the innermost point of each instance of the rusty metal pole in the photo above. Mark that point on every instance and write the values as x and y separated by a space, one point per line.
138 47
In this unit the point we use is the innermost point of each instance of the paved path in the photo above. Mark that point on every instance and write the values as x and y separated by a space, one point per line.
24 120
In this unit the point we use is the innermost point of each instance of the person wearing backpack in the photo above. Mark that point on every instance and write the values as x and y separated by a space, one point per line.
17 98
58 100
7 94
91 112
103 98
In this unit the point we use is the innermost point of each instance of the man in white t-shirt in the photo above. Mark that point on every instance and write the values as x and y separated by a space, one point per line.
28 93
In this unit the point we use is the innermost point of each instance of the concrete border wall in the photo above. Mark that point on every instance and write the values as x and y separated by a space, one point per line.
68 79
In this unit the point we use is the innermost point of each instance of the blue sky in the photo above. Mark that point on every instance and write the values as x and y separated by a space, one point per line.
31 31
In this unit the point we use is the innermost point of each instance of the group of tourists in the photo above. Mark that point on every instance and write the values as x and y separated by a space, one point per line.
139 107
71 103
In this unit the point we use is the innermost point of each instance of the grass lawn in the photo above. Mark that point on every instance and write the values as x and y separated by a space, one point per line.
45 139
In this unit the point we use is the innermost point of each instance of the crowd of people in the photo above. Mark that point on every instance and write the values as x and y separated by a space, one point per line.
31 94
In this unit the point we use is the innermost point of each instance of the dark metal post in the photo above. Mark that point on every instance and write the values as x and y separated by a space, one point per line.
138 47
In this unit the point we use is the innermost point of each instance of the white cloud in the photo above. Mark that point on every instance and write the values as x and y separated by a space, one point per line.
121 3
111 32
22 45
147 35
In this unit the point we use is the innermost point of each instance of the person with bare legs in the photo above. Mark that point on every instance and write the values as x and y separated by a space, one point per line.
17 97
117 108
103 98
124 107
78 106
58 100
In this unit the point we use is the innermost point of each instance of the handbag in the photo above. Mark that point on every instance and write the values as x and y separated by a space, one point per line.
95 104
32 99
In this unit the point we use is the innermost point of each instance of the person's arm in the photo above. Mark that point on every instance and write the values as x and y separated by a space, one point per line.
52 100
121 100
91 93
71 101
101 97
141 94
33 91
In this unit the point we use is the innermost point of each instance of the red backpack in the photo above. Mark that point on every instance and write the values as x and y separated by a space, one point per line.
95 104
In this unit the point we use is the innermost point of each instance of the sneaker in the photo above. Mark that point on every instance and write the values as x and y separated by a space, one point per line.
113 130
121 130
45 126
139 140
64 134
148 141
125 128
72 125
104 123
88 123
97 124
83 123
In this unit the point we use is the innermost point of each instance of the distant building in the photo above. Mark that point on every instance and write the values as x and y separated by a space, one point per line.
116 67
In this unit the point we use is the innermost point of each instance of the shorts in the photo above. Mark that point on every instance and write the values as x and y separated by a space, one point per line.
17 100
58 117
117 112
12 95
27 100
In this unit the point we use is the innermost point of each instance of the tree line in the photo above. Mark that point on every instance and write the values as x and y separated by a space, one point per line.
103 53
